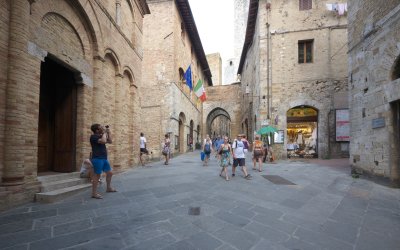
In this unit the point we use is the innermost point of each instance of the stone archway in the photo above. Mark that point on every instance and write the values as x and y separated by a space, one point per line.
302 131
224 126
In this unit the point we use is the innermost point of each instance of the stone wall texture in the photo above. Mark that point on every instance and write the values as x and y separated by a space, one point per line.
166 100
103 50
215 63
276 82
374 51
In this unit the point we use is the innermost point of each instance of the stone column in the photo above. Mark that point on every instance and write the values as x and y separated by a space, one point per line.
97 95
15 122
118 138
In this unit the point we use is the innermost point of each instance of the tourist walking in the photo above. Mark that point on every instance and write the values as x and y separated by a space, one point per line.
166 149
258 152
207 149
239 157
143 148
100 163
224 151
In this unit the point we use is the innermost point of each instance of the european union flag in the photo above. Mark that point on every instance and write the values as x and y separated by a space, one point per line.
188 77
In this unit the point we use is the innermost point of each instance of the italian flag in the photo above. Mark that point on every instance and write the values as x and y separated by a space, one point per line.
199 91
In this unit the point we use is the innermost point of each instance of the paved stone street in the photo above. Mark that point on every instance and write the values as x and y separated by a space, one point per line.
325 209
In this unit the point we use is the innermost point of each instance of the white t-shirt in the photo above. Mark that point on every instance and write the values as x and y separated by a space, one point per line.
238 147
143 142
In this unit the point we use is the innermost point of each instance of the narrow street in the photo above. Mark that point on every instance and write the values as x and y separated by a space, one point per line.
187 206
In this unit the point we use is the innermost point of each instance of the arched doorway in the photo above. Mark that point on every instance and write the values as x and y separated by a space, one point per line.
218 123
181 138
57 118
302 132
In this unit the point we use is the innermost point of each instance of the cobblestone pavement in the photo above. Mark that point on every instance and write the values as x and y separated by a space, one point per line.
155 208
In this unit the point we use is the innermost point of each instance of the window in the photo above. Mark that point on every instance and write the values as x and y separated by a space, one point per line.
181 75
306 51
183 31
305 4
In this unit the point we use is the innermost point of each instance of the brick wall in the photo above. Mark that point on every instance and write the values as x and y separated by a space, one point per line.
166 98
107 64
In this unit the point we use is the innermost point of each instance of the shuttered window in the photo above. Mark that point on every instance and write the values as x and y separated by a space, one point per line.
306 51
305 4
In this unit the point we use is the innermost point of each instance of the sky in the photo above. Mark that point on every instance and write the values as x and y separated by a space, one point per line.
214 22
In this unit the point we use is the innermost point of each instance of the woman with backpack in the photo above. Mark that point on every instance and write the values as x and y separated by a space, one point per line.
258 152
207 149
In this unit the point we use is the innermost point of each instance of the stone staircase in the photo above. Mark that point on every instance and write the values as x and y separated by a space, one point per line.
60 186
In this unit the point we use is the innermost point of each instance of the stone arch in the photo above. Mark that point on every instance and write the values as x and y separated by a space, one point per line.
214 114
127 71
113 56
128 20
57 25
80 15
396 69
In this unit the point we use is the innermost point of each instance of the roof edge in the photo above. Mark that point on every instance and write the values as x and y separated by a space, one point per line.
250 30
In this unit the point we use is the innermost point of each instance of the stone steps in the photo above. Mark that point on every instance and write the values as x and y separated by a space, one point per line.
59 194
60 186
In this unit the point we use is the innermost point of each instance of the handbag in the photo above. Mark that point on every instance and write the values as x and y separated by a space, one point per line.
165 151
202 155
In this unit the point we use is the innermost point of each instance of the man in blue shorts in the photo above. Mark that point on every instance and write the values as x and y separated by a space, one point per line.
98 141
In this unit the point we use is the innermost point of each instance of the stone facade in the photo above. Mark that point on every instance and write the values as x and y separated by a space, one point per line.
221 111
215 63
97 45
168 105
374 72
275 82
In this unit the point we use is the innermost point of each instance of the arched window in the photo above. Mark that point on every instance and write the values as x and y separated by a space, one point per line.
181 76
396 69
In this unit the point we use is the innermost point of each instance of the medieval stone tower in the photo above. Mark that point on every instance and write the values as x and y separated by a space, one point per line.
241 9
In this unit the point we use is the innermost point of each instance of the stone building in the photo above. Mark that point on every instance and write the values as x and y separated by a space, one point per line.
215 63
171 44
374 75
294 76
65 65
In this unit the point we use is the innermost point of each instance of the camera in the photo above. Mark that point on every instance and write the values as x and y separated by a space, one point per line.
107 126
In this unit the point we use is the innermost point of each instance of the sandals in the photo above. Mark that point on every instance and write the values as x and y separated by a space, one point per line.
97 196
112 190
248 177
259 170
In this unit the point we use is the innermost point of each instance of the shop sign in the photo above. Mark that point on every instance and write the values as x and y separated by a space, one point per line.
342 125
378 122
279 136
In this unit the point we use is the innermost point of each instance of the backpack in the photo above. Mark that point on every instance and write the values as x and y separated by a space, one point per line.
246 145
207 148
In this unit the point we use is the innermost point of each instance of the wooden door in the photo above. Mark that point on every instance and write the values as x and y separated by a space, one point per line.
57 118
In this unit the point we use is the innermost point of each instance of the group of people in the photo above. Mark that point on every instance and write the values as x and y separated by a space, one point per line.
225 149
238 149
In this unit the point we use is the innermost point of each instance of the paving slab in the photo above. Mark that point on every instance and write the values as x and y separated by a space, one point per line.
187 206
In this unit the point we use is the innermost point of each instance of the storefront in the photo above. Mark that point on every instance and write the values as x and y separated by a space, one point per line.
302 132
